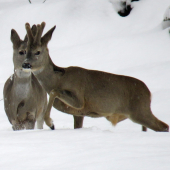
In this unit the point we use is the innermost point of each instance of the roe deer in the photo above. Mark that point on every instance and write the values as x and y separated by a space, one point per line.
82 92
24 99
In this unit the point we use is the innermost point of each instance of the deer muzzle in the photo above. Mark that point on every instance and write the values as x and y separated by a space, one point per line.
26 65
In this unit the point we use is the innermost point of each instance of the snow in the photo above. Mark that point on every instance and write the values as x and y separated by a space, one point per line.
90 34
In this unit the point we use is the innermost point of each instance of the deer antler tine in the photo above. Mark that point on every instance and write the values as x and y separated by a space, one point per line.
42 25
27 25
34 30
29 33
40 29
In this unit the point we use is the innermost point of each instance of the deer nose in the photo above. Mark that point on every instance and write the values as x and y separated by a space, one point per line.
26 65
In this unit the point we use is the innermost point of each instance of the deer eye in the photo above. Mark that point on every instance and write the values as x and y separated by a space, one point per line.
22 52
37 53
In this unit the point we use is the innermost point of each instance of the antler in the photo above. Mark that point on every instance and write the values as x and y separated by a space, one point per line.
29 34
34 31
39 30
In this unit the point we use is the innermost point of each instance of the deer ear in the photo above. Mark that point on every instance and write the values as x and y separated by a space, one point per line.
47 37
26 38
15 39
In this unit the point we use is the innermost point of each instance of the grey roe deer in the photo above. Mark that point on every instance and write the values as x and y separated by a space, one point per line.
25 100
82 92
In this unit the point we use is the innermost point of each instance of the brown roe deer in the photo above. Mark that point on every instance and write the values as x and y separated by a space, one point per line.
82 92
25 100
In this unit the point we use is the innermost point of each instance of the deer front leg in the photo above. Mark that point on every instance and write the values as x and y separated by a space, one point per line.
70 98
29 124
48 120
17 126
40 123
78 122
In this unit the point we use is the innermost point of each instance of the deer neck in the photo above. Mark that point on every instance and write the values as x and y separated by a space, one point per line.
22 83
48 76
22 77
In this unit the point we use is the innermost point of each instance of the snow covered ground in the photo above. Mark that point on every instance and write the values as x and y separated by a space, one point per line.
90 34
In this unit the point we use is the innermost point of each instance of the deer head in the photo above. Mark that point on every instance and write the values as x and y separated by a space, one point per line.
37 51
19 48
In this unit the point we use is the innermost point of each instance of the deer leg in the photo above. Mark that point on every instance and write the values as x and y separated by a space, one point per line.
17 126
29 124
48 120
40 123
149 120
70 98
78 122
144 129
116 118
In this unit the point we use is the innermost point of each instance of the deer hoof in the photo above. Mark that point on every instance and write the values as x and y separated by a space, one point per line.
52 127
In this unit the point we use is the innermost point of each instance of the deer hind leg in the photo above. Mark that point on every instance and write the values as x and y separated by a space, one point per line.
78 122
149 120
116 118
144 128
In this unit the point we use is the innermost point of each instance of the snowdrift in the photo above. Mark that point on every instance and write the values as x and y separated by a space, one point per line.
90 34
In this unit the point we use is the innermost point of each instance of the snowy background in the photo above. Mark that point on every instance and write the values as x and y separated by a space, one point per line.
90 34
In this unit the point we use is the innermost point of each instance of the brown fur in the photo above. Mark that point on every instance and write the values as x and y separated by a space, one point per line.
25 100
82 92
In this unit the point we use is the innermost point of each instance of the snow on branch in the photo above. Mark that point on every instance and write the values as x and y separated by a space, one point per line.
31 2
166 20
122 7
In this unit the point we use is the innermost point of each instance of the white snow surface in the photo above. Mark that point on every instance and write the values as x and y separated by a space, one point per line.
90 34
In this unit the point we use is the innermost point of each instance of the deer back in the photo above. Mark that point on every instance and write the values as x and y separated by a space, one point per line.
83 92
